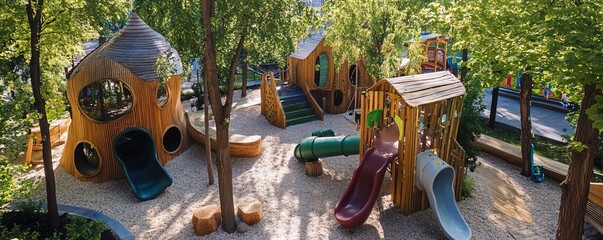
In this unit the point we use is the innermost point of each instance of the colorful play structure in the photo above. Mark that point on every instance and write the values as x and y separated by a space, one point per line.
435 49
426 163
314 85
125 123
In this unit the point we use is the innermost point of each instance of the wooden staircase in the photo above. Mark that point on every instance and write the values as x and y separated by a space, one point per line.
296 106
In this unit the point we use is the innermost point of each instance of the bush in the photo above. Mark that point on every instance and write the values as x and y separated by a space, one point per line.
467 188
83 228
470 128
187 94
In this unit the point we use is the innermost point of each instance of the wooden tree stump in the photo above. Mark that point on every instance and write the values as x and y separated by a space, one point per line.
207 219
250 213
314 169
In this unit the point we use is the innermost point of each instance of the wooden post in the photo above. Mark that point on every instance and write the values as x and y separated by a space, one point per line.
493 106
210 172
29 150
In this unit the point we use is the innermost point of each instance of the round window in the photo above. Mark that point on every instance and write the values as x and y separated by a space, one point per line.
162 94
171 139
86 159
105 100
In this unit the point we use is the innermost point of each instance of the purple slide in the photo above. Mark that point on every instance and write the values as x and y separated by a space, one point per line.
356 204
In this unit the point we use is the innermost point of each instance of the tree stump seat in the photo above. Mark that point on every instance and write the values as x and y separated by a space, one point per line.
250 213
207 219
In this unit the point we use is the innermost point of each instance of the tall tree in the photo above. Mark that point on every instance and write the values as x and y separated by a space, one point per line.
48 34
574 32
504 37
268 30
374 30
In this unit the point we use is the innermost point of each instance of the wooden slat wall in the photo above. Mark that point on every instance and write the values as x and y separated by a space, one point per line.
145 113
404 192
271 106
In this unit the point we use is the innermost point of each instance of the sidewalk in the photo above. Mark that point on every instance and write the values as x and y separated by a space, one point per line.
546 123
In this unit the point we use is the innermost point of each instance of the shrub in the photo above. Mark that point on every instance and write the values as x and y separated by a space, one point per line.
468 186
470 128
83 228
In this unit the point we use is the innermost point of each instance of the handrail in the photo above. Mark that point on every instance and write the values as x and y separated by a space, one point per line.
313 103
281 119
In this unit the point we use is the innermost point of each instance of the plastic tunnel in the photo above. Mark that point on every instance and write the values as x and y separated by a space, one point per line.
135 150
312 148
435 177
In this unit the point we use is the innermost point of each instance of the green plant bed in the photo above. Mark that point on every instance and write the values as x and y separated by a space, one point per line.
542 146
34 225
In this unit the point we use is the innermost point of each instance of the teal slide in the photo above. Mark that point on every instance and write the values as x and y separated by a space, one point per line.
435 177
135 150
312 148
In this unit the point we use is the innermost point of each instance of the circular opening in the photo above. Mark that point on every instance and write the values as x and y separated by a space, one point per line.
338 97
162 95
134 147
105 100
353 74
86 159
171 139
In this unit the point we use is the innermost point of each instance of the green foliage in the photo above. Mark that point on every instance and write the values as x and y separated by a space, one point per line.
79 228
468 187
374 30
29 205
272 28
469 127
12 187
17 233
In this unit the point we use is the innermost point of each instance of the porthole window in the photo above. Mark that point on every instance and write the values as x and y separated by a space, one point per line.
353 73
86 159
338 98
172 139
162 94
105 100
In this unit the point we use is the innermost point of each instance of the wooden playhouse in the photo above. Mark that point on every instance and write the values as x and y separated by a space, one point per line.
430 105
115 88
316 85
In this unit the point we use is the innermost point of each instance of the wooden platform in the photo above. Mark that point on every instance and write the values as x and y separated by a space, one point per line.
240 145
57 128
552 169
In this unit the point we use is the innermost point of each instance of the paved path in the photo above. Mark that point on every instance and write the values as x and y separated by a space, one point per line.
546 123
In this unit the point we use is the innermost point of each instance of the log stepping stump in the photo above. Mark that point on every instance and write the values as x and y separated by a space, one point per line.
207 219
314 169
250 213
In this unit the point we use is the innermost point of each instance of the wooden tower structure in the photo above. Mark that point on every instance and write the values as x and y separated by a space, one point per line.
435 49
430 105
116 87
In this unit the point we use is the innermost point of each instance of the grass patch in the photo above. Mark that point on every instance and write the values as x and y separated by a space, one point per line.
542 146
467 188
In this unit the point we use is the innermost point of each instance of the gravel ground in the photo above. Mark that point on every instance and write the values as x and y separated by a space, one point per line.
295 205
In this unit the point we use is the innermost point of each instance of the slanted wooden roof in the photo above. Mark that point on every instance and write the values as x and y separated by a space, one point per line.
137 47
425 88
306 47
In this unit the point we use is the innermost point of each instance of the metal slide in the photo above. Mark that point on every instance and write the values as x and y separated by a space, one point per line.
435 177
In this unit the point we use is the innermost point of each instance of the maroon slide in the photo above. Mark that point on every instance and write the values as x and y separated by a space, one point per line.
357 201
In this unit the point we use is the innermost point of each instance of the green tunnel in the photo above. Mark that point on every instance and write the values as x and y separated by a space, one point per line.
312 148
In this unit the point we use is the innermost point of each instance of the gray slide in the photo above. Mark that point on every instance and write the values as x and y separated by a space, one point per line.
435 177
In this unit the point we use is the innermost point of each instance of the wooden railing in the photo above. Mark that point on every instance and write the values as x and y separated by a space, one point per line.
456 159
271 106
319 113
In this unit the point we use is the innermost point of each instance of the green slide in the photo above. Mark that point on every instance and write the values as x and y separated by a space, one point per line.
312 148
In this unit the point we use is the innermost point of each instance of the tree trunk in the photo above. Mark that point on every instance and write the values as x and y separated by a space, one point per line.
34 17
244 79
493 106
526 123
221 113
464 69
574 190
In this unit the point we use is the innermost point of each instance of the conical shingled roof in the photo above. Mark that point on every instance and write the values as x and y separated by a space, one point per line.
137 47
